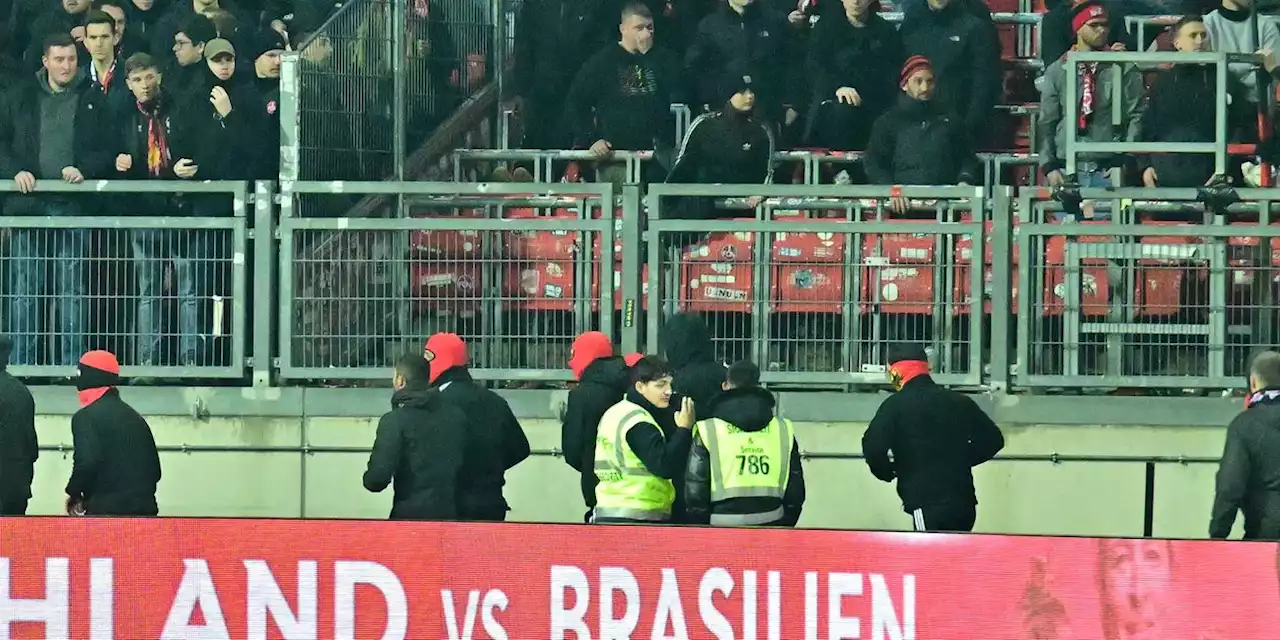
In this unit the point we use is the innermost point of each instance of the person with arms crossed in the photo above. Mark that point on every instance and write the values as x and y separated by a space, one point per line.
635 460
929 438
744 466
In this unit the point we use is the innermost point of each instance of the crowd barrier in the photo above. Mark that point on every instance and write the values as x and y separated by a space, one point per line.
188 578
1148 288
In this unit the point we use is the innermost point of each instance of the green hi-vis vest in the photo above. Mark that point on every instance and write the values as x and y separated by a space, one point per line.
628 490
747 464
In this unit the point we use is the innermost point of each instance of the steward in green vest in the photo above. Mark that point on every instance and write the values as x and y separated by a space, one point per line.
635 460
744 466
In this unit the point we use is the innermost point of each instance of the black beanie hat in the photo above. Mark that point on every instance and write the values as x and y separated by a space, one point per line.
267 39
98 369
906 351
735 81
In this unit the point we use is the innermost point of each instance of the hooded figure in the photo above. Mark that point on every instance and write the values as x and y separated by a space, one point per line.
936 437
687 345
419 447
226 110
18 446
116 467
603 379
495 442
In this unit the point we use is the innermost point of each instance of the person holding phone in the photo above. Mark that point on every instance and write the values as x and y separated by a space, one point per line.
636 461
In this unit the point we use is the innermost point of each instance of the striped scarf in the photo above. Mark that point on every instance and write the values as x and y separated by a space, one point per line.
158 159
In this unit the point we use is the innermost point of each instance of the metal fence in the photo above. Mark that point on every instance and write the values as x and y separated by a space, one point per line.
1128 288
154 271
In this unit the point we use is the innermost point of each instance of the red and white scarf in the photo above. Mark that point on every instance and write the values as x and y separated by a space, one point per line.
1088 87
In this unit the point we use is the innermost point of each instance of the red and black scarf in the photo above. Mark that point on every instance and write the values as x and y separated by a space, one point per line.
158 159
904 371
1088 88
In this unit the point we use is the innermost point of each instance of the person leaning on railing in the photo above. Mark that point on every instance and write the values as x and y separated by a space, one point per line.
52 128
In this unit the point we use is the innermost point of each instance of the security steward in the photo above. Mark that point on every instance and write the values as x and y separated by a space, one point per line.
1249 474
744 464
635 461
929 438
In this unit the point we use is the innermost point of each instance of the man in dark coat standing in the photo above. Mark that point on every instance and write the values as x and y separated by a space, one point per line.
115 467
419 446
495 442
603 379
18 447
1249 474
929 438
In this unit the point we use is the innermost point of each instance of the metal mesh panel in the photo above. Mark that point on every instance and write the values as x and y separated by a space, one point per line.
167 300
516 276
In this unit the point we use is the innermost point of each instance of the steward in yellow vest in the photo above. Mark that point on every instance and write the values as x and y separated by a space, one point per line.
744 465
635 460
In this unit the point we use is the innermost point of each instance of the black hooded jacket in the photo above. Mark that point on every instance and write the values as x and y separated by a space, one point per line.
227 144
749 409
937 436
688 348
495 442
604 382
1249 474
420 446
116 466
18 446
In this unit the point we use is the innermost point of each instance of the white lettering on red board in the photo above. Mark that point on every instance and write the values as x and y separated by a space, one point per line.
571 601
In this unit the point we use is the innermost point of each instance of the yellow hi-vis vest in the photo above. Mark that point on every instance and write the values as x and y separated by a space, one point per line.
627 489
747 464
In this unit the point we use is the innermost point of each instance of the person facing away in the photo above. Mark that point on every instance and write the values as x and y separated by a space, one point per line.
494 441
115 468
419 446
1248 477
603 379
929 438
744 464
635 460
18 445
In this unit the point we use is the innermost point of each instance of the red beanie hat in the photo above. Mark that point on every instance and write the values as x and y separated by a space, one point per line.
1085 11
913 64
444 351
588 348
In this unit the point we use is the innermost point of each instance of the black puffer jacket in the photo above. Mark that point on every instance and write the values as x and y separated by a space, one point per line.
749 409
604 382
937 436
919 143
495 443
965 54
18 446
420 446
1249 474
688 348
116 467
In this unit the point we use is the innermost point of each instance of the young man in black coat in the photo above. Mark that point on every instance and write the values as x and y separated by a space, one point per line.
495 442
929 438
115 467
18 446
603 379
1181 107
419 447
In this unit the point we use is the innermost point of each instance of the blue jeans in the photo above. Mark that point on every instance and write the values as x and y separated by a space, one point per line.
152 248
31 252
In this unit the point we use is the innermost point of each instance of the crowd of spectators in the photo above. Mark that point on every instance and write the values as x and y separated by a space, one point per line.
829 75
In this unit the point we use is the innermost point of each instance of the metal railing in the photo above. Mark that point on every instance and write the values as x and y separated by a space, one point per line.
167 293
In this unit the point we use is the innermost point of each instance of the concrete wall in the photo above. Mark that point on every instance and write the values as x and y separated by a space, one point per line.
1081 498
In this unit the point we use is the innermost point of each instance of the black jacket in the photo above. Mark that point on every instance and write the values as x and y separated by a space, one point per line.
18 446
725 147
268 108
624 98
965 54
868 58
183 142
936 436
495 442
749 409
603 384
20 138
662 449
228 147
688 348
117 97
1249 474
1181 106
553 40
116 466
758 39
918 143
420 445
